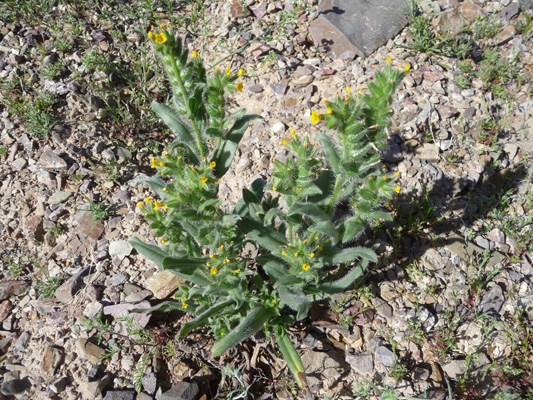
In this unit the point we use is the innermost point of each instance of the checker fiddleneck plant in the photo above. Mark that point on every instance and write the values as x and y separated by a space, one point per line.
298 245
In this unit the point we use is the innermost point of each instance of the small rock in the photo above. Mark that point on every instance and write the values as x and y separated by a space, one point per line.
13 288
303 81
446 112
433 76
455 368
492 301
509 11
51 360
278 128
279 88
15 386
120 248
508 33
255 88
182 391
89 351
19 163
5 309
123 310
51 160
347 56
92 390
71 286
59 197
119 394
149 382
482 242
362 362
163 284
496 235
386 356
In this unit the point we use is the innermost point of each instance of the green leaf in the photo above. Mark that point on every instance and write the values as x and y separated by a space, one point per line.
151 252
293 360
327 228
274 269
252 323
307 209
325 182
336 256
325 290
224 154
236 115
176 125
295 299
264 235
187 268
332 156
202 318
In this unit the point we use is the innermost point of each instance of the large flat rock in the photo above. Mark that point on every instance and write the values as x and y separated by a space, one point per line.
361 26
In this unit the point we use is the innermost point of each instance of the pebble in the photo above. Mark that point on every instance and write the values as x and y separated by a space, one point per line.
15 387
51 160
385 356
59 197
182 391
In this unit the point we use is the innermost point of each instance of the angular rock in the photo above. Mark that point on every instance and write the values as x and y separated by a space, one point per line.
71 286
51 160
322 366
163 284
15 386
182 391
13 288
377 23
492 301
120 395
255 88
59 197
5 309
33 228
386 356
91 390
149 382
123 310
120 248
89 351
303 81
51 360
362 363
445 111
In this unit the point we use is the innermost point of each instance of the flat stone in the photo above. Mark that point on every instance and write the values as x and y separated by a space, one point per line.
149 382
138 296
278 127
66 292
5 309
51 359
492 301
92 390
120 248
13 288
358 25
509 11
89 351
448 22
455 368
428 152
120 395
182 391
59 197
445 111
255 88
386 356
382 308
87 228
322 366
303 81
19 163
163 284
505 35
51 160
482 242
15 386
33 228
123 310
362 363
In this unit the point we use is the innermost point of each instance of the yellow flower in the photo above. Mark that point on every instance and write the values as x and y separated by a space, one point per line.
160 38
384 178
293 132
154 163
184 305
203 180
148 200
320 248
305 267
139 204
228 71
164 154
346 99
315 117
389 60
238 87
226 261
329 111
397 189
407 68
157 204
150 35
283 253
212 164
284 142
195 54
312 255
165 190
241 72
217 69
213 271
295 254
211 256
274 189
348 90
326 101
163 241
162 163
397 174
165 208
237 271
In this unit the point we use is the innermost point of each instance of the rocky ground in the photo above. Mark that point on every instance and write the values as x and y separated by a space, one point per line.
447 311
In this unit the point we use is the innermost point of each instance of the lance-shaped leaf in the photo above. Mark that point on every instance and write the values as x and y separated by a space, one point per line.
327 228
332 156
176 125
252 323
151 252
335 256
265 236
307 209
224 154
293 360
156 184
295 299
274 268
187 268
325 290
202 318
